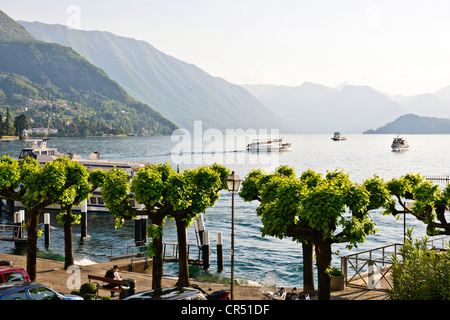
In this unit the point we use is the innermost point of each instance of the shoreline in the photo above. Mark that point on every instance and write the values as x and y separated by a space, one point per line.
52 274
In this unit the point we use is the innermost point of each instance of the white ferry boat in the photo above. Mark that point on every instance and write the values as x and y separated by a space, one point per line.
268 145
42 153
338 137
399 144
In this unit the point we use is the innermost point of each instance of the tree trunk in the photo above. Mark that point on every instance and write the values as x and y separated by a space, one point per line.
68 239
308 268
158 261
323 263
183 267
157 272
32 231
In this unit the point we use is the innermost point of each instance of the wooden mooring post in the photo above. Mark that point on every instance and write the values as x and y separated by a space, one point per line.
47 228
140 230
205 250
201 227
19 218
84 222
9 206
219 241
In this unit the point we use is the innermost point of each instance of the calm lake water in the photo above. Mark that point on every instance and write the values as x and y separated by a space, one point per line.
256 259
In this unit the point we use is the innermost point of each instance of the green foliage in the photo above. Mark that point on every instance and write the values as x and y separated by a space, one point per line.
161 190
378 193
88 288
429 201
155 232
75 218
9 173
11 30
335 272
419 273
148 185
333 206
250 188
115 192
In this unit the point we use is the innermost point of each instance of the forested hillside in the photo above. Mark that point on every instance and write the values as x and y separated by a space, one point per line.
45 79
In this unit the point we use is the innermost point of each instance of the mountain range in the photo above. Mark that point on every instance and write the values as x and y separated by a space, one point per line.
414 124
178 90
315 108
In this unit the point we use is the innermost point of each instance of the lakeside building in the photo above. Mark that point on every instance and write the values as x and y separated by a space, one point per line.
42 131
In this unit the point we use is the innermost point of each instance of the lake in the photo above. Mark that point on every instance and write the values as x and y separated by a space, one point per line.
257 259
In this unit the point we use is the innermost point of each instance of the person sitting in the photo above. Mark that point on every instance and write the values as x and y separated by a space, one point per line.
113 274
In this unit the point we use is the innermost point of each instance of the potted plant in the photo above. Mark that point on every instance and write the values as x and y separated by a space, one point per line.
337 279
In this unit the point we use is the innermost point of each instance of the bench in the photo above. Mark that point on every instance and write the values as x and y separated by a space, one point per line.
109 281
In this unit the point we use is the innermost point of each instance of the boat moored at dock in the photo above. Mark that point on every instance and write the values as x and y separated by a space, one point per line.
42 153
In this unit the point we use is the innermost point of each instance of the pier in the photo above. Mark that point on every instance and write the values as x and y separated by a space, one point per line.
443 178
170 253
13 233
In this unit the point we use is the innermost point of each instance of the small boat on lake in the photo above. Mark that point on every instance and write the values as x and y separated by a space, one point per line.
399 144
338 137
268 145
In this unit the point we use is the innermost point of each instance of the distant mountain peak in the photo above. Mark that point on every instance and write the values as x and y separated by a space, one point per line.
414 124
10 30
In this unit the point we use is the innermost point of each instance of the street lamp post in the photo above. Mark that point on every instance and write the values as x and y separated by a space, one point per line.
233 183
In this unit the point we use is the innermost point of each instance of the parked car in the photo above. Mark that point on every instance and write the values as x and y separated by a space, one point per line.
173 293
10 274
31 291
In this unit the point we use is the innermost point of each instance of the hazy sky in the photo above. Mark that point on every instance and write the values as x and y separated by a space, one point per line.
396 46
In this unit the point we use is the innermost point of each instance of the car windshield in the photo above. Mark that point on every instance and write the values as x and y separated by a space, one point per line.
41 293
19 295
13 276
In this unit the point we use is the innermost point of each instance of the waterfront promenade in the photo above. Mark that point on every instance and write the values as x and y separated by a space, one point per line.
52 273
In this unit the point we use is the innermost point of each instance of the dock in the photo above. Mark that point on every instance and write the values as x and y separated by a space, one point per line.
14 233
173 256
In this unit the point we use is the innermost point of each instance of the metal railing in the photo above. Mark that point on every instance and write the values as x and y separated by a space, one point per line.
12 233
130 251
439 243
172 255
371 268
444 178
